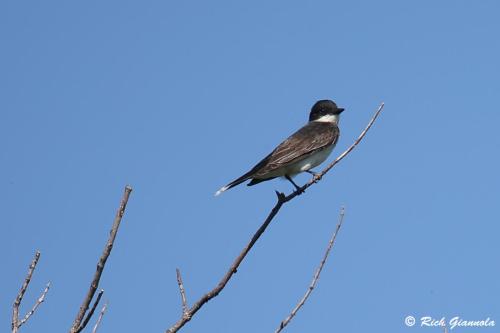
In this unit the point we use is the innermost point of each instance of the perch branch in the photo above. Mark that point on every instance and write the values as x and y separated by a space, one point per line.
316 178
77 324
316 276
281 200
214 292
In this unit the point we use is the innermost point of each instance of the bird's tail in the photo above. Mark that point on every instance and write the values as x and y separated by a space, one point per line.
238 181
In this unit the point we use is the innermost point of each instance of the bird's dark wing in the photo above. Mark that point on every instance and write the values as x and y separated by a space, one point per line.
298 146
313 136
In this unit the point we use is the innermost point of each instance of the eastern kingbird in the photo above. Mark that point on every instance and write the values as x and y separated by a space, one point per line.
302 151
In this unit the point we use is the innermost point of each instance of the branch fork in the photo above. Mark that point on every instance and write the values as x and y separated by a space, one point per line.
16 322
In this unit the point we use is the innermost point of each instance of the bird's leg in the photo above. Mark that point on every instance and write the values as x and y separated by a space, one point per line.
297 187
315 174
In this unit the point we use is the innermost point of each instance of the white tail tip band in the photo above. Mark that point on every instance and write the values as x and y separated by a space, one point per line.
221 190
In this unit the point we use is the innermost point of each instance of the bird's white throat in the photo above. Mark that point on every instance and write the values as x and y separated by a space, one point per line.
329 118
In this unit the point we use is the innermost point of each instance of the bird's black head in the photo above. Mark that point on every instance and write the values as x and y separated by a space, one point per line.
324 108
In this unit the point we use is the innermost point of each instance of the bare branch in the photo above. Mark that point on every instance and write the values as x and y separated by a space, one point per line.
214 292
316 276
77 324
92 310
37 304
99 319
20 295
185 309
282 199
16 323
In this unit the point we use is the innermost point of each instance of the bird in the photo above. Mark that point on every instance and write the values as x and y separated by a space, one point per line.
303 150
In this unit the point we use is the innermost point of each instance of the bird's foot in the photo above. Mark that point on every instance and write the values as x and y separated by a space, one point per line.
316 175
299 190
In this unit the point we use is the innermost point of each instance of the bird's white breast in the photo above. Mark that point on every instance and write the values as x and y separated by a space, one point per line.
310 162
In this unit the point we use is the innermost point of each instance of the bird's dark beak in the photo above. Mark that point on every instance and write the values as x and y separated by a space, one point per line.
340 110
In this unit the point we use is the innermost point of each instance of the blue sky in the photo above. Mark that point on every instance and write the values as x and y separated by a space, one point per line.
179 98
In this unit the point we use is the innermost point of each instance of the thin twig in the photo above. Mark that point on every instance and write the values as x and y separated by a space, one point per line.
282 199
316 276
77 324
16 323
185 309
99 319
39 301
92 310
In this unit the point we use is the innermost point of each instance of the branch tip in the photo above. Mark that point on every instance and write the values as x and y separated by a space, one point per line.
99 319
185 309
